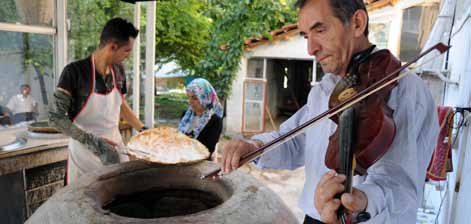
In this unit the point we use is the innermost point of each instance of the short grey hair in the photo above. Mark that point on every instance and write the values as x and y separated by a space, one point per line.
343 10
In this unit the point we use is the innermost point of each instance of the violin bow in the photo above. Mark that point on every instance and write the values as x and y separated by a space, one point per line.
375 87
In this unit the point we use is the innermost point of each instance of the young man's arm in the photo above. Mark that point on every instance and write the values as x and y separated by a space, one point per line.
128 115
58 119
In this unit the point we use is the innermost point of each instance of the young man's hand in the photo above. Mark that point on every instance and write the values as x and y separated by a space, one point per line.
107 151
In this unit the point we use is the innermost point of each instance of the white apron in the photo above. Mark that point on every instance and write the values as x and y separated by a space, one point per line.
100 116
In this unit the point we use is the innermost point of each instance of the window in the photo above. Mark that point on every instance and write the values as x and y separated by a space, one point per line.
379 34
28 12
25 58
254 104
417 23
27 43
255 68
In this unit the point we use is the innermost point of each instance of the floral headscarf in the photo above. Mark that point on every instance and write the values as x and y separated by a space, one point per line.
208 98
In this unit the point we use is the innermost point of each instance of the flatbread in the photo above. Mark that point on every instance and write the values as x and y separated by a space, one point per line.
165 145
41 127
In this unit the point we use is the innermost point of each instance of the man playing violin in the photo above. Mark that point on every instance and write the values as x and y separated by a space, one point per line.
390 192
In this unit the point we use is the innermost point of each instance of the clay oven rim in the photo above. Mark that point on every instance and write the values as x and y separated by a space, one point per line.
123 181
247 199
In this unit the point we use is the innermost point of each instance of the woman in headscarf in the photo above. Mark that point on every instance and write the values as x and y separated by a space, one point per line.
203 118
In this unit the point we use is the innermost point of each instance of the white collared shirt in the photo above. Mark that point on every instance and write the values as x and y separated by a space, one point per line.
21 104
394 183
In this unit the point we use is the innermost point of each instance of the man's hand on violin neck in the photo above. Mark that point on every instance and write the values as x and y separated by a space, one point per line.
233 151
326 203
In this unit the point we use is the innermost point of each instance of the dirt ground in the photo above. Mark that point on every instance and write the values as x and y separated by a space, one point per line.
287 184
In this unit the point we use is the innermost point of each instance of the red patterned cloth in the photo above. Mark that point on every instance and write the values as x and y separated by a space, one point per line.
440 163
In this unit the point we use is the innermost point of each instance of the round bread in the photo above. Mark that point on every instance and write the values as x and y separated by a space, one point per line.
165 145
41 127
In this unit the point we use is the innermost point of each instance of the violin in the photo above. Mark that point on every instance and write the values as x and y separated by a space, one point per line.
365 130
375 128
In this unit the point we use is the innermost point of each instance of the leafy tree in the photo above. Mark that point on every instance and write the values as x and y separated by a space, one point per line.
235 21
191 32
8 11
181 32
181 29
87 18
37 52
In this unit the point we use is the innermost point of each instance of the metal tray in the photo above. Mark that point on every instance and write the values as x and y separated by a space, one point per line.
18 143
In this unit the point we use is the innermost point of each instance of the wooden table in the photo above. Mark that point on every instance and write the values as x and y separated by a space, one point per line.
33 173
30 174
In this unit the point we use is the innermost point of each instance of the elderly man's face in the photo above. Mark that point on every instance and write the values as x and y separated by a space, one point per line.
329 40
25 90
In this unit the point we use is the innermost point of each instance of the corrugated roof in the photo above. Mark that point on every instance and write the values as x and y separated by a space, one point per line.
377 4
279 34
292 29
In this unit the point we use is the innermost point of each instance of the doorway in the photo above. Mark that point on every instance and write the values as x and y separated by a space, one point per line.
288 84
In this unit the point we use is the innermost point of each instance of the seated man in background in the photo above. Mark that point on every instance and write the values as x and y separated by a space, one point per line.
22 106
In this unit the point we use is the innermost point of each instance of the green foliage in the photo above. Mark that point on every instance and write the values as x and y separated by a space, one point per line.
87 18
8 12
171 106
37 52
235 21
187 31
181 32
181 29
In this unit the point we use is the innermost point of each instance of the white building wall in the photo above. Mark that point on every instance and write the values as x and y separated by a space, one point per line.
234 101
458 204
293 48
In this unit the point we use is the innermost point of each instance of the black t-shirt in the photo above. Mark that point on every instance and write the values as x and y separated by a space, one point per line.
76 78
209 136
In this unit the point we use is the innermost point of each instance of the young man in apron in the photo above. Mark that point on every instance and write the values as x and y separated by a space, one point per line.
89 101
